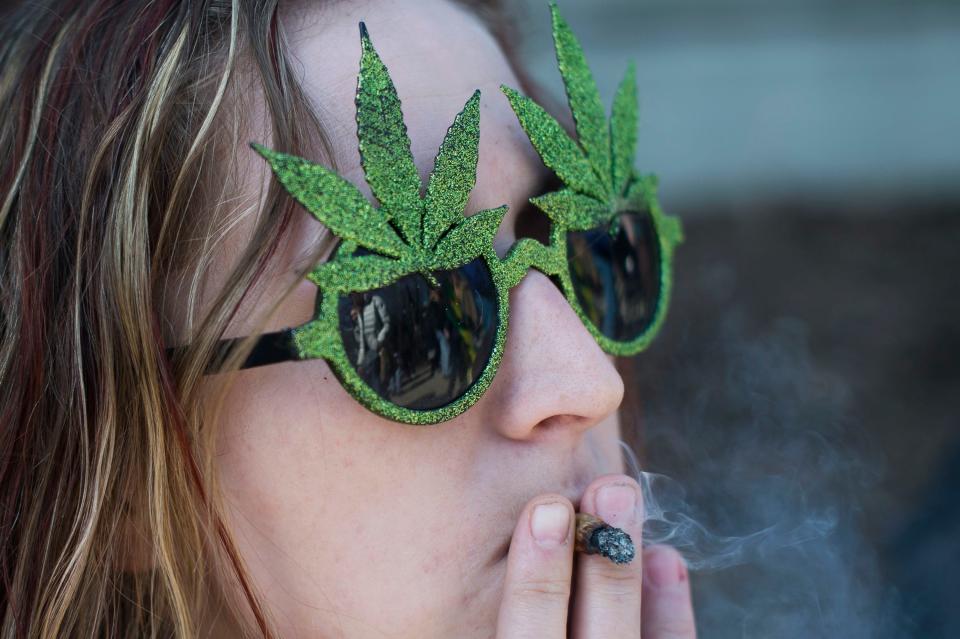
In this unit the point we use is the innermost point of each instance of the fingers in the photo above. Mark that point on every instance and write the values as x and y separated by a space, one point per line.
536 593
607 600
668 610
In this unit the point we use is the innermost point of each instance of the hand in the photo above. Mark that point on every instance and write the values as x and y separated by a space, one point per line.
602 600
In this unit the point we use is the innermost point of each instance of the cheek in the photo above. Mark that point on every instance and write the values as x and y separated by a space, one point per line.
333 515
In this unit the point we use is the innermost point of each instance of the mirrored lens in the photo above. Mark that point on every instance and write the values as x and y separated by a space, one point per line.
420 346
617 278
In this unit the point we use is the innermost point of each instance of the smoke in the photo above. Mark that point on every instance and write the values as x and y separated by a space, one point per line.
758 475
668 522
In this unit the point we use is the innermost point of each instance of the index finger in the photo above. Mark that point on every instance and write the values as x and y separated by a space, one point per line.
536 593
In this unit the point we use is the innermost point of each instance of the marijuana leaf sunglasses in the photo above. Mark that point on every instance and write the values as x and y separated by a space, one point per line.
412 309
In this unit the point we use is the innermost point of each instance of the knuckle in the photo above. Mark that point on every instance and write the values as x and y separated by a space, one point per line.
618 585
557 590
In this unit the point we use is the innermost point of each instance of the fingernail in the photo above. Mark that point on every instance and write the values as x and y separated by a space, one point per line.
663 568
617 504
550 524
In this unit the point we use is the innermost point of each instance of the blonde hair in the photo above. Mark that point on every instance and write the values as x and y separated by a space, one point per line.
113 130
115 118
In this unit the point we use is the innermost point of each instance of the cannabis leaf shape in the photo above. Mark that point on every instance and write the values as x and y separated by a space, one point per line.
408 233
597 170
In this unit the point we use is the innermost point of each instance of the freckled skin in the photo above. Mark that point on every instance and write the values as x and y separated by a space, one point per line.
355 526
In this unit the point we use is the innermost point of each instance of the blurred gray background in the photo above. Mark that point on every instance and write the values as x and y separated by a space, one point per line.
741 97
804 392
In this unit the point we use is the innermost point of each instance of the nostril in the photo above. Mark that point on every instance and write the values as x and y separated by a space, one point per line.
556 426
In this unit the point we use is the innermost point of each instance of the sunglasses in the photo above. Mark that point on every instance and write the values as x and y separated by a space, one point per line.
412 308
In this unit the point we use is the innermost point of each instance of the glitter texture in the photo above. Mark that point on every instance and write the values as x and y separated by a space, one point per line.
584 99
385 146
597 171
408 233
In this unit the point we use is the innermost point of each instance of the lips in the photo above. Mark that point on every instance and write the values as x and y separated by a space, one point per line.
575 499
572 489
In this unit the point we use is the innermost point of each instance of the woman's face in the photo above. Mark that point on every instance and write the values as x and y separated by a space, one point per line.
352 524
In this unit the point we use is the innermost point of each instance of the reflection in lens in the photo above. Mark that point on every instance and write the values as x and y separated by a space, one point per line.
617 278
418 346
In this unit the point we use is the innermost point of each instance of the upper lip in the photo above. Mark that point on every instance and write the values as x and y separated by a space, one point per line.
573 490
576 497
579 483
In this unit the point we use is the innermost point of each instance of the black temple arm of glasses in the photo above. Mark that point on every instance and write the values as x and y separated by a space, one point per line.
270 348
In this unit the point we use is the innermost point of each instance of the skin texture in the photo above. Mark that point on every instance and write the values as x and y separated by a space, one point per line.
355 526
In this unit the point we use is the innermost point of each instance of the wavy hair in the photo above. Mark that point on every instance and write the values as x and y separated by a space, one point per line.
115 121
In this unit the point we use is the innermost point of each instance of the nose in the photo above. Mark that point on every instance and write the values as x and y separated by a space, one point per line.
553 373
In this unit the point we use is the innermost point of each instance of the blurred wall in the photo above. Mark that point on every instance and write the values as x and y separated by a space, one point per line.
741 97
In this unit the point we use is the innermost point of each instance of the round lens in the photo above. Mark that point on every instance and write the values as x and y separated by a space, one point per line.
616 278
418 345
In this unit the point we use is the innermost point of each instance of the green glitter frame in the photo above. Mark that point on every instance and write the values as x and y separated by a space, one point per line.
411 233
600 181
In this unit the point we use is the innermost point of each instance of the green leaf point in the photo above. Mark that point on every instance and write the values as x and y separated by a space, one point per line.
385 154
558 151
454 173
407 233
624 117
334 201
593 130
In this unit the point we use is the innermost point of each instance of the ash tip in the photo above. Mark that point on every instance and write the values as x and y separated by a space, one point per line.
614 544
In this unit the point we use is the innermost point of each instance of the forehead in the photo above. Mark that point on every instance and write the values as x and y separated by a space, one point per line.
437 54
